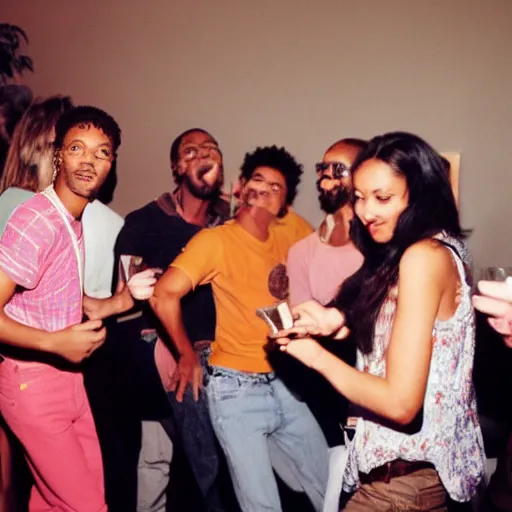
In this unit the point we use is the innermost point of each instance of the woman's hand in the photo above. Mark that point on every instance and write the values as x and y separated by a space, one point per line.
496 301
306 350
310 319
313 319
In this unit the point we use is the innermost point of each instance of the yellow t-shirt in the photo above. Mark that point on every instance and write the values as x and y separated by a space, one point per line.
243 271
294 225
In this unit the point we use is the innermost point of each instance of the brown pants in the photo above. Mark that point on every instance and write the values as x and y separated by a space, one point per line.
418 491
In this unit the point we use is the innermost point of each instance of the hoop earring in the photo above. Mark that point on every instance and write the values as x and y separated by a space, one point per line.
56 164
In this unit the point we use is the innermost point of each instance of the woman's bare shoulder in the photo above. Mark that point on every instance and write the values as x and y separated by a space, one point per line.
427 257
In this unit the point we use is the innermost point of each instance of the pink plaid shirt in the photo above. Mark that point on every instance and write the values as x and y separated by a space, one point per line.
36 252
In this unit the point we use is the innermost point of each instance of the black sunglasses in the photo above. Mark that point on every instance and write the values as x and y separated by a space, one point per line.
339 169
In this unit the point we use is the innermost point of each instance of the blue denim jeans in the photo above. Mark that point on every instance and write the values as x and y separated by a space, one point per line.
192 420
253 413
190 426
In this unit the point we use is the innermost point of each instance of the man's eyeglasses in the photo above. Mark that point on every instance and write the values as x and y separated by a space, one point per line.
192 151
78 150
339 169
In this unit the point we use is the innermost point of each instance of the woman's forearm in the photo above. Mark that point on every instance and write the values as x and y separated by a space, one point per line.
368 391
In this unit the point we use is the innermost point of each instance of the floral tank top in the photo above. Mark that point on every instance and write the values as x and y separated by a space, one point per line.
449 437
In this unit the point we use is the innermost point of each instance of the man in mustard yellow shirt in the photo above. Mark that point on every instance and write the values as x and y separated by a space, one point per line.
251 409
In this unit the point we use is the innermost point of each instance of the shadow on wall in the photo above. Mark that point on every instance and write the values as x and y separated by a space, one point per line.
106 193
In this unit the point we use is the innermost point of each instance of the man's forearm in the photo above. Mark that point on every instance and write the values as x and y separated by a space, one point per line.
18 335
168 310
98 309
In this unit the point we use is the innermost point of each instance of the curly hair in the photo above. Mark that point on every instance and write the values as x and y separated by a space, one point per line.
278 159
89 116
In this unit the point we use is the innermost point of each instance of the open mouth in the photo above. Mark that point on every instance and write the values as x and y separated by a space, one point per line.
327 184
85 177
204 169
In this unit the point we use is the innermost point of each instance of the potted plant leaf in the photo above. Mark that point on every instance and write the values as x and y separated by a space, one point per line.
11 61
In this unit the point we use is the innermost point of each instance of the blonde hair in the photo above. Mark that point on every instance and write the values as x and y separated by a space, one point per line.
32 144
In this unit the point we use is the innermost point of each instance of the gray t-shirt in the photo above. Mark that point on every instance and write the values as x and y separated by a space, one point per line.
10 199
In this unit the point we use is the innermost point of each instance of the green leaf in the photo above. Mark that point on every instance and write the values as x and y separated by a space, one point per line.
10 61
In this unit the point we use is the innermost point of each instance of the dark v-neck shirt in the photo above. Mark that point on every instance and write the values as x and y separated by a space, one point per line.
121 378
158 234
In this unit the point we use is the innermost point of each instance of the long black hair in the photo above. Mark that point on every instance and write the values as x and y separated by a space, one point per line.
431 210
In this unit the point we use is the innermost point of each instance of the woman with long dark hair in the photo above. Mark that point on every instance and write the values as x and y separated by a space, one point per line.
417 439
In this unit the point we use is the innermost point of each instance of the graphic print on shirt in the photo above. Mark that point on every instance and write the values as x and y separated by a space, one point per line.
278 282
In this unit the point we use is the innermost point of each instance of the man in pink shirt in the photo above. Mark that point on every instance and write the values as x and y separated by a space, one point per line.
319 263
42 336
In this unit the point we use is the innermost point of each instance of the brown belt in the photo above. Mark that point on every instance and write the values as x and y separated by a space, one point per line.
393 469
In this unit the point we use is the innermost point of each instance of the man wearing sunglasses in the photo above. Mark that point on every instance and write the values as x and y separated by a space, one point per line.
317 265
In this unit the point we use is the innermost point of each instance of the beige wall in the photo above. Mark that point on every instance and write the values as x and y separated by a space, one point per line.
291 72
